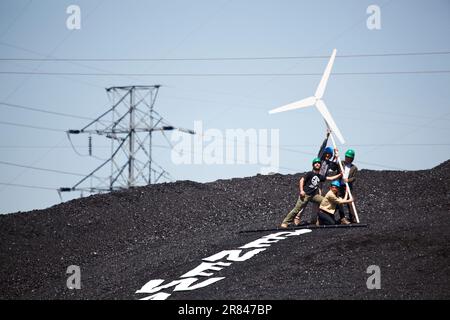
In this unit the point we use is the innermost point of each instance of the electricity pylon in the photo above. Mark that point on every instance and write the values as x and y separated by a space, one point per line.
131 124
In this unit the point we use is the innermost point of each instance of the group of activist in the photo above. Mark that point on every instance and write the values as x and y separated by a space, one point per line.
313 186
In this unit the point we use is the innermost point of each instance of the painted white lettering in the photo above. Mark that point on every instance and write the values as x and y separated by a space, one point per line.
191 283
180 285
158 296
234 255
199 270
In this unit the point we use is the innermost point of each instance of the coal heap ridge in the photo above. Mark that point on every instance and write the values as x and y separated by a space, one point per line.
123 239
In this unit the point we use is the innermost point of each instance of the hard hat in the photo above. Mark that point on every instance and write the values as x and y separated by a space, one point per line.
328 150
335 183
350 153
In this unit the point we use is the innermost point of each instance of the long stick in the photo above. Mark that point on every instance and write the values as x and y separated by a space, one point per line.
346 184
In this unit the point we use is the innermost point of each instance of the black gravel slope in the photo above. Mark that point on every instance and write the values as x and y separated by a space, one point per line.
124 239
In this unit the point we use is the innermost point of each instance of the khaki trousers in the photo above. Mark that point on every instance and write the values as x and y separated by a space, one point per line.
301 204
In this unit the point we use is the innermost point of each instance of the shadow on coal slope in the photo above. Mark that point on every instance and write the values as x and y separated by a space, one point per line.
123 239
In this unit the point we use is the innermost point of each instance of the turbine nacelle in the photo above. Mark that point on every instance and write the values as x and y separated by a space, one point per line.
317 101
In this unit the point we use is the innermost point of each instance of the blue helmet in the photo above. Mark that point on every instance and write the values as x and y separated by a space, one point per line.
335 183
328 150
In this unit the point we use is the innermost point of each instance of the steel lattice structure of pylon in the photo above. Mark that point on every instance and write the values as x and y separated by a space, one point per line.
129 124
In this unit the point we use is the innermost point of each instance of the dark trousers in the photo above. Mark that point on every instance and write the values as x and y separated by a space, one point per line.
326 218
341 207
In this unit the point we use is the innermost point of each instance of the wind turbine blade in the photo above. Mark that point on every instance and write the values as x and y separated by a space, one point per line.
323 82
329 120
308 102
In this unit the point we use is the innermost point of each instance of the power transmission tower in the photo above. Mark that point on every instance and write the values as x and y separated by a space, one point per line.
131 124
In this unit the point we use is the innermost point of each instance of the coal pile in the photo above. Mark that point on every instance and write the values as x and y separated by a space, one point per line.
124 239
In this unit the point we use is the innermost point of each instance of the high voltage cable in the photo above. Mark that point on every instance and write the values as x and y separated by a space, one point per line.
40 169
17 106
27 186
377 145
61 147
30 126
15 19
221 74
286 145
392 54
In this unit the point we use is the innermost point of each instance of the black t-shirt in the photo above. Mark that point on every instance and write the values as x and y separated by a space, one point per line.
327 166
311 183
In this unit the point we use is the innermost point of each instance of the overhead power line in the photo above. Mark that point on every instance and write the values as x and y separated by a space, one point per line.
222 74
17 106
40 169
27 186
363 55
283 146
64 147
30 126
15 19
16 177
377 145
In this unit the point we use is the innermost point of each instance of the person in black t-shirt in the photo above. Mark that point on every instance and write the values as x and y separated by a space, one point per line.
328 165
309 191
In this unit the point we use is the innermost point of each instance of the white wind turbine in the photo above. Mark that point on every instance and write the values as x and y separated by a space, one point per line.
317 101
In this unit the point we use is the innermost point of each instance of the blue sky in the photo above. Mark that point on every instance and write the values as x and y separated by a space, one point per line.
393 121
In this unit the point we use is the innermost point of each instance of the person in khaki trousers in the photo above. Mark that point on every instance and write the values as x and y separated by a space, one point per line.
329 205
309 191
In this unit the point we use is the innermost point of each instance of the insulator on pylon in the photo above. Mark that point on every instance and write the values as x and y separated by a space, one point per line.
90 145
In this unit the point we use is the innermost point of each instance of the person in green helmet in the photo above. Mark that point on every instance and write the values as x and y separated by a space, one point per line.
348 176
309 191
328 167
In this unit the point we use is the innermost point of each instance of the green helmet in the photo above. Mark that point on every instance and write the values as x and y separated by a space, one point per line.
316 160
350 153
